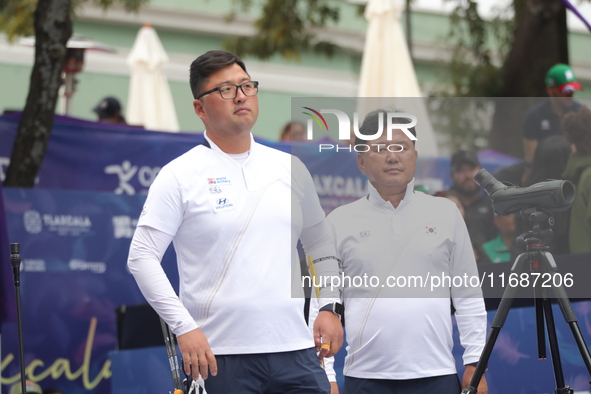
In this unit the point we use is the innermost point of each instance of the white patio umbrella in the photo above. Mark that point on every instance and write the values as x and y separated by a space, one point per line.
149 102
387 76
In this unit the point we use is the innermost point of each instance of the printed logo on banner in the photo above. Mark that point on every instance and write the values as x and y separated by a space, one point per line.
124 226
126 172
4 162
67 225
97 267
34 265
339 186
32 221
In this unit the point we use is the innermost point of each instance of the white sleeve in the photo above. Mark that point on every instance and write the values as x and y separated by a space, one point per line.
319 242
471 319
329 361
163 209
303 186
468 302
145 254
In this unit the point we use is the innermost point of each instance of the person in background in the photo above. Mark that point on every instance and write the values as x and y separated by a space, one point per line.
499 249
452 198
458 203
293 131
544 119
478 212
108 110
577 128
513 174
549 163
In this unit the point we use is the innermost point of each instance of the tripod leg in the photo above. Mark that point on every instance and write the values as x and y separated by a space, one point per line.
567 310
497 324
554 351
541 334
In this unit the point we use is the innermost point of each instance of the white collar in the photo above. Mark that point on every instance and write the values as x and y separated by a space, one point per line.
214 147
375 198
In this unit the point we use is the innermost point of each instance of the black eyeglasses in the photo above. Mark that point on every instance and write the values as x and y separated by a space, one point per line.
229 91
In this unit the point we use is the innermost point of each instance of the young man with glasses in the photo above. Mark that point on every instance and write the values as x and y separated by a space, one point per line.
234 210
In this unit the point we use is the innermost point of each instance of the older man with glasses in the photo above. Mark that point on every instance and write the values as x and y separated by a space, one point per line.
234 210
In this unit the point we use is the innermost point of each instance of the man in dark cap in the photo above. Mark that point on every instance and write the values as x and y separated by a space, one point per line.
108 110
479 215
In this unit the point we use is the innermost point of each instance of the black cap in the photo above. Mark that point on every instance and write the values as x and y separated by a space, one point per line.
464 157
108 107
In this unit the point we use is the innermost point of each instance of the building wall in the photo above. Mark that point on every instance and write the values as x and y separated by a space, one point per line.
188 28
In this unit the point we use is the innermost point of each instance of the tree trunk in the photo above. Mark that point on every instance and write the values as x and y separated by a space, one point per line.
541 40
53 28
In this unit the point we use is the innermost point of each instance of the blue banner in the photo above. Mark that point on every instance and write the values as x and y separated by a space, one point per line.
7 293
75 239
513 367
84 155
74 247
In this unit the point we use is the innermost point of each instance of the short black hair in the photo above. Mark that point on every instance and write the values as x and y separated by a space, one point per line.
208 63
372 122
576 126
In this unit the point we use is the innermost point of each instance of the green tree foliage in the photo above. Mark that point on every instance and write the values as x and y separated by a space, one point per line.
285 27
507 56
472 74
51 23
472 69
16 17
539 40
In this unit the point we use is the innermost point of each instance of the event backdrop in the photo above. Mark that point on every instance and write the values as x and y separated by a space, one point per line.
84 155
7 293
75 227
74 246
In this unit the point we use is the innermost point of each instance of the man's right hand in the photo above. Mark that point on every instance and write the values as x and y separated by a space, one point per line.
196 351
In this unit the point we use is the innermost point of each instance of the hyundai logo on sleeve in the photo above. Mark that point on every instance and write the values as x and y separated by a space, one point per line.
222 201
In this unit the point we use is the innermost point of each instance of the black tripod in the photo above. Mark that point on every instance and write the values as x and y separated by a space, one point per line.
15 260
541 262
